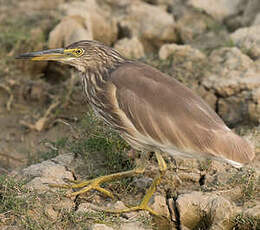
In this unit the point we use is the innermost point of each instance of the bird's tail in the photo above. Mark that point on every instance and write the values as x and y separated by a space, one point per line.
234 148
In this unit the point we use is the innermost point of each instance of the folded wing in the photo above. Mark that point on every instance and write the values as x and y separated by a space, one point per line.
160 112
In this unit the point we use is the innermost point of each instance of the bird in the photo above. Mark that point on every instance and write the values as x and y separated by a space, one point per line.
149 109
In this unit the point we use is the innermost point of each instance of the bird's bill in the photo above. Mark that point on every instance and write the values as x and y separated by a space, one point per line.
60 54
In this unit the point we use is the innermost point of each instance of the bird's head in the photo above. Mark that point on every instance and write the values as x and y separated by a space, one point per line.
85 55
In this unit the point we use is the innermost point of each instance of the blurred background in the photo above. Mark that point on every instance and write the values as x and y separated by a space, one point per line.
210 46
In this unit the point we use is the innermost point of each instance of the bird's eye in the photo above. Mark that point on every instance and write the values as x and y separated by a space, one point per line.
78 52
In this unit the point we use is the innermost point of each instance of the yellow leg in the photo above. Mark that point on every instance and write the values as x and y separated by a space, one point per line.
144 204
95 183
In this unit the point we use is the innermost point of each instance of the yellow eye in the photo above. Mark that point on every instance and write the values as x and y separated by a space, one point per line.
78 52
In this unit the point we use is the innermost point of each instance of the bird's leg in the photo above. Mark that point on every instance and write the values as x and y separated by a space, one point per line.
144 203
95 183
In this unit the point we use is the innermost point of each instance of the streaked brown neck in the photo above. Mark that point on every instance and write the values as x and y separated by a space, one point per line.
97 73
103 63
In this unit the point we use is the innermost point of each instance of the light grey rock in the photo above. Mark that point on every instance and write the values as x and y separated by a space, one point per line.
208 96
142 183
88 207
69 30
5 227
102 24
101 227
254 106
130 47
47 5
119 205
257 20
159 205
160 2
195 177
194 206
251 10
193 24
220 9
152 25
180 50
235 77
133 226
64 159
48 172
50 212
248 40
253 212
233 109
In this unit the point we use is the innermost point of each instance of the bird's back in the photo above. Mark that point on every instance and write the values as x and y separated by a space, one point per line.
158 112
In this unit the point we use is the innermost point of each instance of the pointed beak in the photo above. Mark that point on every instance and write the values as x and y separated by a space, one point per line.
47 55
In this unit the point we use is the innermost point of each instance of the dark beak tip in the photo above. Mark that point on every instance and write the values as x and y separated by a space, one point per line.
24 56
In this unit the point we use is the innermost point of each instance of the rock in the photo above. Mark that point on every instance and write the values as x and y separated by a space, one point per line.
233 109
69 30
251 10
194 177
4 227
50 212
254 106
119 205
47 172
219 10
191 25
130 48
101 227
234 76
88 207
139 21
231 194
212 40
257 20
65 204
47 5
200 30
253 212
180 50
142 183
167 3
64 159
248 40
188 65
159 205
208 96
103 24
133 226
214 210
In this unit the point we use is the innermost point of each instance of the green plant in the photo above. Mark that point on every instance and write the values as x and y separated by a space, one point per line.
100 138
247 179
243 222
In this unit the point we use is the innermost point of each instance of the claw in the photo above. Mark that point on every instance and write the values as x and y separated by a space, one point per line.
94 184
133 209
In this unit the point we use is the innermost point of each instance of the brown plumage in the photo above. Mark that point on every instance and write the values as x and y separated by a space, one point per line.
158 112
151 110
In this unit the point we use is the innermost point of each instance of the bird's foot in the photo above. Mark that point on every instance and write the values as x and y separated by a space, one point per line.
141 207
149 193
94 184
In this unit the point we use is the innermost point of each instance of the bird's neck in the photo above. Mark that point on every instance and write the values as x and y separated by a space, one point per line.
104 67
103 70
94 80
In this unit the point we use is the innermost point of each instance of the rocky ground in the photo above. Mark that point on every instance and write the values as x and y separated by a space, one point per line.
49 134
